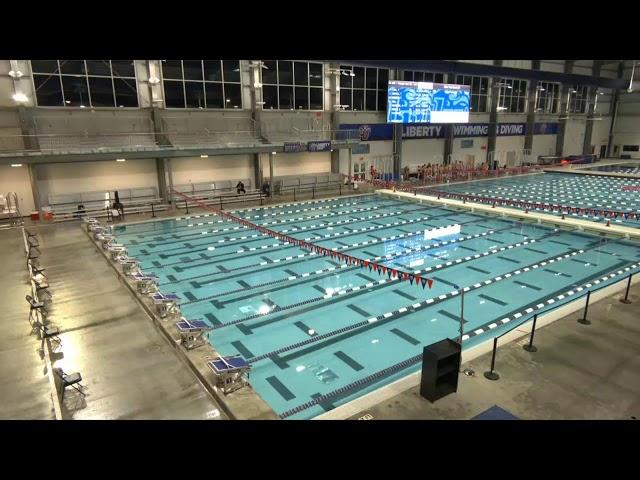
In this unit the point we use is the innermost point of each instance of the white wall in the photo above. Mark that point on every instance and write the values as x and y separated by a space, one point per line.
552 66
377 148
63 178
421 151
507 144
543 145
16 179
212 169
517 63
300 163
574 136
477 151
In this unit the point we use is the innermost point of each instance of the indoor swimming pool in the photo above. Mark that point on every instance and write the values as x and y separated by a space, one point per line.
319 333
626 168
564 189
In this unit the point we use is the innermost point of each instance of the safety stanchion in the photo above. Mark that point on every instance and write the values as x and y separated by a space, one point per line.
153 213
530 347
584 320
186 206
491 374
626 294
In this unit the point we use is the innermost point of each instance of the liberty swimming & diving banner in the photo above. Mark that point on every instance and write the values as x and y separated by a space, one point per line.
426 102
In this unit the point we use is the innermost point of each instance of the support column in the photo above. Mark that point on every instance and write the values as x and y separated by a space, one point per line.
397 150
334 95
493 114
531 109
614 112
270 170
162 179
256 171
593 93
34 186
350 174
169 173
564 110
448 140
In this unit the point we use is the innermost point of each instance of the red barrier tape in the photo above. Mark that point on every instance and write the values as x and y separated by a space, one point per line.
350 260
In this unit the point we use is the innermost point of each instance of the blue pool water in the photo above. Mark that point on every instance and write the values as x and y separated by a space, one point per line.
312 327
628 168
565 189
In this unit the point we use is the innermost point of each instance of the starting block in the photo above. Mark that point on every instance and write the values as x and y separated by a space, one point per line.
130 266
192 332
166 304
106 239
98 231
146 282
231 372
116 250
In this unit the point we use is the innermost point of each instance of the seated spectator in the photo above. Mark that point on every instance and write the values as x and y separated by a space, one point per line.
266 189
240 187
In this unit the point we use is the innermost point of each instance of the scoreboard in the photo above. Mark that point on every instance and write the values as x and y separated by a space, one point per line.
427 102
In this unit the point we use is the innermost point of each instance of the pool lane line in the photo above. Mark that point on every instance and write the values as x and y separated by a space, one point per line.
289 244
360 288
306 202
299 210
363 382
196 236
355 245
310 275
210 243
401 312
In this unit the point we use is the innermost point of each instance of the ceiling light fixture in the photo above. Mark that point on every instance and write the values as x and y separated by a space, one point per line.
204 156
121 159
16 164
20 97
15 73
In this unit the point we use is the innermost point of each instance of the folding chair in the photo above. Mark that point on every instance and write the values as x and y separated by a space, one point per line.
42 286
37 307
69 380
48 333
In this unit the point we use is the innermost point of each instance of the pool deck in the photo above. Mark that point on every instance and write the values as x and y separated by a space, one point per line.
578 373
129 369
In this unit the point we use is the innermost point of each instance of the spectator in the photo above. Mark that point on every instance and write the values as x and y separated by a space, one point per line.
266 189
240 187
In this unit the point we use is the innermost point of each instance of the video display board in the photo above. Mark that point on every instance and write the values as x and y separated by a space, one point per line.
427 102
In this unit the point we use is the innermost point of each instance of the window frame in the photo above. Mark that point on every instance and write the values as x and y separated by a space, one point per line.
364 89
460 79
581 99
204 83
86 77
293 86
511 96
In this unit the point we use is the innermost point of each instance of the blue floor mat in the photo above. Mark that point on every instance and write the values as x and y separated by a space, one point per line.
495 413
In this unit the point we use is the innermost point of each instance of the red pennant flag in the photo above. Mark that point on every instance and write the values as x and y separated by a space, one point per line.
394 272
430 282
384 269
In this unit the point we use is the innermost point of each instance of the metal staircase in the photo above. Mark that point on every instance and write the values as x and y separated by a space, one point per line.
10 215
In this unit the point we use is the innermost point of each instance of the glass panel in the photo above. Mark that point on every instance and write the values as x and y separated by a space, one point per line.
482 106
315 98
48 91
346 81
301 76
44 66
99 67
172 69
270 97
213 92
76 93
345 98
173 94
371 78
382 100
408 76
358 100
285 73
192 70
302 98
315 74
212 70
194 94
101 92
123 68
358 80
285 97
270 73
72 67
232 92
371 103
383 78
231 70
126 92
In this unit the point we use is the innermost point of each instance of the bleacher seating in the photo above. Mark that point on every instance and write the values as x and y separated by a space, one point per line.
307 183
217 193
135 200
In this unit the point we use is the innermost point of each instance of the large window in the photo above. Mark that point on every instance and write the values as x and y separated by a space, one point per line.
479 91
512 95
202 84
292 85
85 83
410 76
578 97
364 88
547 96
